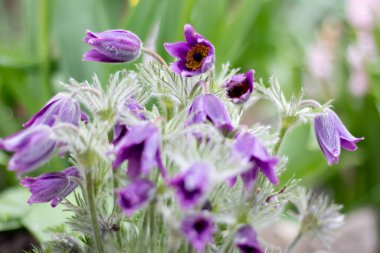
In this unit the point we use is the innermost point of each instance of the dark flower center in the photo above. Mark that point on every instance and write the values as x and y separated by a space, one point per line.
189 194
200 226
196 55
238 89
248 249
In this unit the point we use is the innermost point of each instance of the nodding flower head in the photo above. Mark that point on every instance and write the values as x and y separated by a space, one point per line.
195 56
250 147
209 107
32 146
198 229
332 135
112 46
135 195
61 108
141 147
54 186
240 87
246 240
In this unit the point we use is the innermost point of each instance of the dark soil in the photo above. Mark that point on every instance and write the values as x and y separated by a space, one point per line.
16 241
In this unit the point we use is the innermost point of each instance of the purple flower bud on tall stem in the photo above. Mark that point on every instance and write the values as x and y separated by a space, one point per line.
135 195
112 46
209 107
332 135
191 184
32 146
61 108
141 147
54 186
195 56
240 87
198 230
250 147
246 240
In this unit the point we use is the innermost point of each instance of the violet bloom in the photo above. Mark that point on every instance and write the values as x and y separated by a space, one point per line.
137 110
141 147
32 146
240 87
61 108
246 240
135 195
196 55
112 46
209 107
191 184
250 147
198 230
54 186
332 135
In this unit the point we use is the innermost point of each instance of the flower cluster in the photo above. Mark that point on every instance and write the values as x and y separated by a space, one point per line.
174 170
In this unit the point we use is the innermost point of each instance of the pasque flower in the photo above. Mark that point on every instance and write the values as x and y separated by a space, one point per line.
250 147
141 147
240 87
133 107
191 184
32 146
208 107
195 56
112 46
332 135
61 108
135 195
198 230
246 240
54 186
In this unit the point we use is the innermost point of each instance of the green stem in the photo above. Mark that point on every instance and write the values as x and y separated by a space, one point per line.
284 128
294 243
92 209
155 56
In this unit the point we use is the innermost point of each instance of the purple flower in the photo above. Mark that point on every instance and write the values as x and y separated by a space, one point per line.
246 240
135 195
61 108
332 135
198 230
240 87
141 147
32 146
137 110
112 46
209 107
250 147
191 184
54 186
196 55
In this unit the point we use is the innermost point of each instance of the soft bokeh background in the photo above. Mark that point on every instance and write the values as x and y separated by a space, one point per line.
330 48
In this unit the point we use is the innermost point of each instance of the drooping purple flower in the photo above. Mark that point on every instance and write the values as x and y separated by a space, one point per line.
133 107
54 186
191 184
250 147
209 107
135 195
246 240
32 146
112 46
198 230
240 87
332 135
195 56
61 108
141 147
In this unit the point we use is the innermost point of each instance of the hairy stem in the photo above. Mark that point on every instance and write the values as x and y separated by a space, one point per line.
155 56
294 243
281 136
92 210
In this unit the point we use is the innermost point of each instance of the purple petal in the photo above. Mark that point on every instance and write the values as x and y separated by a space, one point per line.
94 55
178 49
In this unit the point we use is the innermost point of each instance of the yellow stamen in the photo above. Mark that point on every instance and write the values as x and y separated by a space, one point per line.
196 56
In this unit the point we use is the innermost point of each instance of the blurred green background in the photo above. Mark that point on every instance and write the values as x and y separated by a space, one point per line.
304 43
